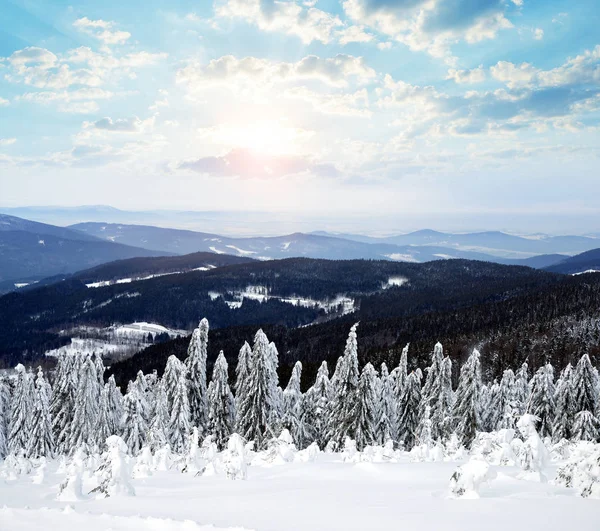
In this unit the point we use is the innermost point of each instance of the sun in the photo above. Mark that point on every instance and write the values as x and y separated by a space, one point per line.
264 137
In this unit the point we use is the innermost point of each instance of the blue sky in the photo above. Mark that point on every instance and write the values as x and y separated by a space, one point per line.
466 107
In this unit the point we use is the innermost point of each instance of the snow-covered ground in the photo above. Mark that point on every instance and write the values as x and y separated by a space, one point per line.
235 299
325 495
113 342
103 283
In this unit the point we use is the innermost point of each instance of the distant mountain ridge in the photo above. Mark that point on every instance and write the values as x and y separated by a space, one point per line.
308 245
581 263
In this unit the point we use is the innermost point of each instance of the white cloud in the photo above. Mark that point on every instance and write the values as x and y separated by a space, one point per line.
514 75
384 45
476 75
250 72
306 22
351 104
432 25
538 34
7 141
121 125
4 102
102 30
354 34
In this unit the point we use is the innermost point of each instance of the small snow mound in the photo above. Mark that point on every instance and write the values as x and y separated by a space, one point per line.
468 479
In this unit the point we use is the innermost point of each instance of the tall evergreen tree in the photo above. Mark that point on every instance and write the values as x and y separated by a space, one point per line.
292 404
565 414
63 401
174 371
408 410
179 424
466 407
257 408
135 423
315 408
41 441
343 416
386 423
585 386
242 372
105 424
432 388
441 411
20 422
368 408
4 416
85 415
196 372
158 435
221 404
115 407
541 401
521 391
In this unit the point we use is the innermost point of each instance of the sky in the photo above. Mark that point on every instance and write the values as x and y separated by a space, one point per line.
487 110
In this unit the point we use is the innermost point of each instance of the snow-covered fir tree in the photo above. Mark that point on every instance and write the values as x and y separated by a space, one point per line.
158 434
242 371
585 427
196 373
179 423
115 406
343 410
521 390
503 411
585 387
41 439
441 411
174 371
85 414
541 401
276 391
565 414
4 416
314 410
432 387
292 404
221 417
20 421
386 419
368 408
258 405
408 410
63 402
105 424
135 423
467 420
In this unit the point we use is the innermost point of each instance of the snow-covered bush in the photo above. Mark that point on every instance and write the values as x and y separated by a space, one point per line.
114 471
582 471
350 453
143 463
468 479
235 458
71 487
533 456
309 454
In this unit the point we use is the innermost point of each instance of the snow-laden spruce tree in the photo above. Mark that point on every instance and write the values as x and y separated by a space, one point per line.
179 423
276 390
343 413
242 370
585 427
292 404
441 412
565 414
158 435
521 390
174 371
63 402
85 415
467 420
314 410
41 440
135 422
585 387
425 429
20 422
504 407
259 403
196 373
368 408
115 406
408 410
431 389
104 426
541 401
4 416
386 428
488 399
221 406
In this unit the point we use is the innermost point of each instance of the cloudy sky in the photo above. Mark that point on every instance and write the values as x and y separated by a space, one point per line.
374 107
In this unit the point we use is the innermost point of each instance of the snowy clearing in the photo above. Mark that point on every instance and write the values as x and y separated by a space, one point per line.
327 494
